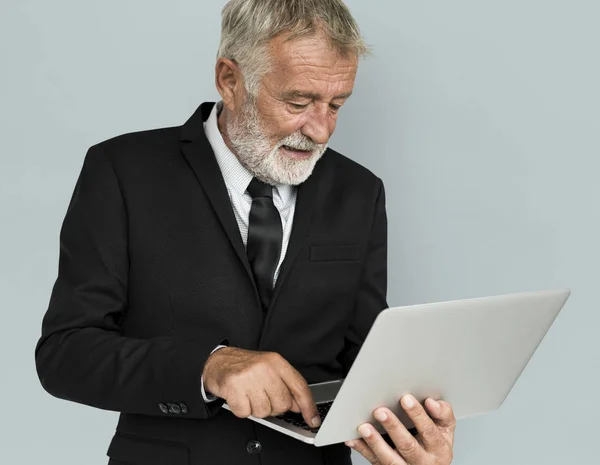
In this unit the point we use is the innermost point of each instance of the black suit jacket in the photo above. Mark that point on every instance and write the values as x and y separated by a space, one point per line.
153 275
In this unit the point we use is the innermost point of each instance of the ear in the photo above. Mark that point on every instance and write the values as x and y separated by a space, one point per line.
229 82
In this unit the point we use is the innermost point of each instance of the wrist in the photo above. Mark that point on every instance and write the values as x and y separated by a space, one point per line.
209 369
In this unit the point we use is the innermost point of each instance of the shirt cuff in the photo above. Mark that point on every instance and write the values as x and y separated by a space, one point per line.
208 397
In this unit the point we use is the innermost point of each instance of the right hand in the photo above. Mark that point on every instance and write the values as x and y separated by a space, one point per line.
260 384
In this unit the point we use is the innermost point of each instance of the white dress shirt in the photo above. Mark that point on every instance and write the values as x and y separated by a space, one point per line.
237 178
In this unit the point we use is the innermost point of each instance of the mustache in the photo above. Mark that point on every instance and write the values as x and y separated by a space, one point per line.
299 141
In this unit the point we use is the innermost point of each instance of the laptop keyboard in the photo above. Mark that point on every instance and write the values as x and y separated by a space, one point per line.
297 420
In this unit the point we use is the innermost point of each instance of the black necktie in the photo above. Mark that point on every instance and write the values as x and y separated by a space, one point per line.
265 235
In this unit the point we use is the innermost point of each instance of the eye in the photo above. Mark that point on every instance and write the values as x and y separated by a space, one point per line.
335 107
298 106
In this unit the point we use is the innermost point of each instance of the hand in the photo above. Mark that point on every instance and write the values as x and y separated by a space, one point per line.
260 384
431 446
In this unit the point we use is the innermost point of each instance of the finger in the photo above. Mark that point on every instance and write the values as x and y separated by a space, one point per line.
382 451
441 412
295 407
404 441
240 406
428 430
280 398
260 404
363 449
302 395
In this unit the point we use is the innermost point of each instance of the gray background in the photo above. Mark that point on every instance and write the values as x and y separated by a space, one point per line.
481 117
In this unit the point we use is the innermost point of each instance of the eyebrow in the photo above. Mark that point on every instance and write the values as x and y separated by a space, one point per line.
311 95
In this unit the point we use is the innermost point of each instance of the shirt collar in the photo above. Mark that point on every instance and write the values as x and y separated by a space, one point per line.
235 174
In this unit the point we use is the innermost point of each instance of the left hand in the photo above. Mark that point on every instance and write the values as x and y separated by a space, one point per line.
435 424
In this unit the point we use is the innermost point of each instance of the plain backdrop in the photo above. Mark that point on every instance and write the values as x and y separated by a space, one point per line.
481 118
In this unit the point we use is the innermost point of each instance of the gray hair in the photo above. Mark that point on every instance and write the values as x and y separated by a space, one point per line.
249 25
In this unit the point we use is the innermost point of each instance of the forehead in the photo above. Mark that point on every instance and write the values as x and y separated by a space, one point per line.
309 64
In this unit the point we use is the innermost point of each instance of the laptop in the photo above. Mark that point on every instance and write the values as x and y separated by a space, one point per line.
467 352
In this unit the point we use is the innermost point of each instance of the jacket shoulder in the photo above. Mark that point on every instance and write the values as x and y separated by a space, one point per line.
130 147
345 168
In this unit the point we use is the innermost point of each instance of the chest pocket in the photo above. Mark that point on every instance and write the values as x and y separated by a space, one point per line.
335 253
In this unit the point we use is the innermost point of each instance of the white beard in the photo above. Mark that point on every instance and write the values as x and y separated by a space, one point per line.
269 164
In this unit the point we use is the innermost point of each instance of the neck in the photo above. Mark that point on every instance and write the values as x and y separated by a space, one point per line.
222 125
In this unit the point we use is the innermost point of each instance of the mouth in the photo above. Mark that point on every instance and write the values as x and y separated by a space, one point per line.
296 152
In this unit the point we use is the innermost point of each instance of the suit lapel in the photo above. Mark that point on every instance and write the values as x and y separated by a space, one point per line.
305 206
200 156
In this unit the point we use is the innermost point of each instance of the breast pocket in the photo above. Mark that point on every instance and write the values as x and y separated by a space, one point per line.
335 253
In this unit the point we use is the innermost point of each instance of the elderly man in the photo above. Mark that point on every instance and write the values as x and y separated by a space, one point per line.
235 258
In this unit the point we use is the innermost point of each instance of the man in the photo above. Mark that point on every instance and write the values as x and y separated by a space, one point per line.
234 258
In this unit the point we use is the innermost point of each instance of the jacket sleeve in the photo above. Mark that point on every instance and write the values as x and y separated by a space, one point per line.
81 355
371 297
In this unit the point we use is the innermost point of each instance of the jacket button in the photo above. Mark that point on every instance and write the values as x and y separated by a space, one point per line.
183 407
163 408
174 408
254 447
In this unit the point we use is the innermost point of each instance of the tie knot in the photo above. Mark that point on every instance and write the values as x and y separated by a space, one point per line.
259 189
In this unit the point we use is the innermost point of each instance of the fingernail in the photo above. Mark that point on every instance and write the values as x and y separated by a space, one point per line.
364 431
436 403
350 444
408 401
380 415
316 422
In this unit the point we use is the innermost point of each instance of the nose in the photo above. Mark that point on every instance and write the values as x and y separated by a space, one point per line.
318 127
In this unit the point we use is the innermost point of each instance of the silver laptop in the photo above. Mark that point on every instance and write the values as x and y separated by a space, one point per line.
467 352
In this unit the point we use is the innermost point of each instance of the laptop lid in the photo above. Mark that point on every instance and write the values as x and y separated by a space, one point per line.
467 352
